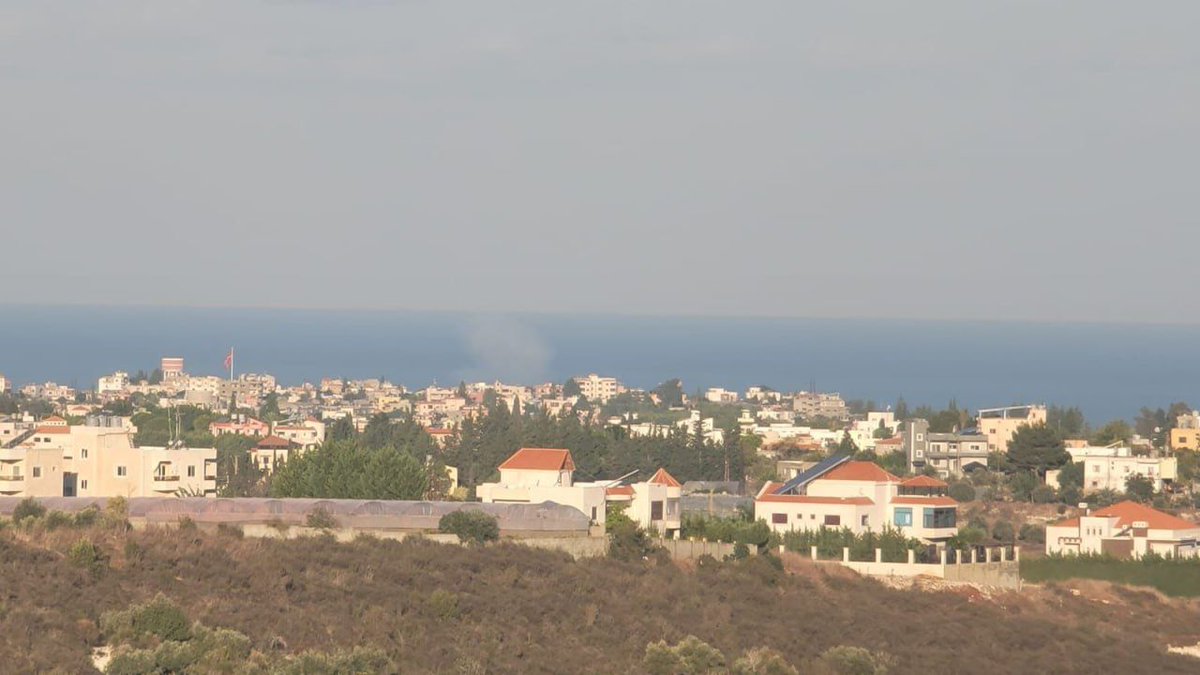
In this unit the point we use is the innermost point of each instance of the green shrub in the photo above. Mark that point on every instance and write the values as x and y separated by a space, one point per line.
87 517
85 554
1173 576
628 542
762 661
471 526
1043 494
443 604
1034 534
961 491
356 660
846 660
1004 531
131 662
57 519
28 508
690 655
187 524
321 519
162 618
230 530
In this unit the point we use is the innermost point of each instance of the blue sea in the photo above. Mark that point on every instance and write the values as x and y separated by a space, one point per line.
1110 371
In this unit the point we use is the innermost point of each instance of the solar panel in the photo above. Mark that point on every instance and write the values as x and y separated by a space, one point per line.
823 467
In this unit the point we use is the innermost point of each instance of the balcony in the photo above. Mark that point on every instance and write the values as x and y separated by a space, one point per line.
166 477
12 479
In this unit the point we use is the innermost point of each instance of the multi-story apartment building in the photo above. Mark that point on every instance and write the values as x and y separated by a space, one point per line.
999 424
171 367
598 389
113 384
306 434
951 454
61 460
812 404
5 384
860 496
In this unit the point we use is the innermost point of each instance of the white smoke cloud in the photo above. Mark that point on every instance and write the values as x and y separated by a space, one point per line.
505 348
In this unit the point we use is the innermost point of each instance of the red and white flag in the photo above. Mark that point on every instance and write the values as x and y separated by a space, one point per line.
229 359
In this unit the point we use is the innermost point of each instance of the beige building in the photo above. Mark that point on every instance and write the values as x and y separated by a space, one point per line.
812 404
535 475
860 496
999 424
1124 530
1184 438
653 504
307 434
60 460
598 389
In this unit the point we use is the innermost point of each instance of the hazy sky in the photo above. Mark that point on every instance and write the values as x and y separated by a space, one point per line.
952 159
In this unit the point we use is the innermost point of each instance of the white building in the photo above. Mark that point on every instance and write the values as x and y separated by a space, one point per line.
5 384
860 496
598 389
113 384
718 395
1124 530
536 475
1110 472
653 504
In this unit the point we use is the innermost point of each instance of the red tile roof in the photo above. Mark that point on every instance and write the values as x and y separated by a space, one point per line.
271 442
540 459
923 481
864 471
54 418
53 430
1070 522
661 477
1127 513
806 499
619 491
924 501
767 494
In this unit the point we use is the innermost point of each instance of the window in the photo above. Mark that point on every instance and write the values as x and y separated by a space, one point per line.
121 471
656 510
37 472
191 472
939 518
83 453
864 521
902 517
779 518
83 484
833 520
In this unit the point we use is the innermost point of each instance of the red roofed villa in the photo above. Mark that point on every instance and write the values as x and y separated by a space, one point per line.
860 496
1124 530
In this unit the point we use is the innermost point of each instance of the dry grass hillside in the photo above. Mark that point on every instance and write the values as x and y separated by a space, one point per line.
506 608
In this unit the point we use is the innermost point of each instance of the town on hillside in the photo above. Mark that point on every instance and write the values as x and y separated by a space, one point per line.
807 471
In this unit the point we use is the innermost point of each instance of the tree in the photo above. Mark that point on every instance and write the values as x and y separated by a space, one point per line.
1139 488
571 388
1004 531
1022 484
901 409
1069 422
471 526
961 491
847 446
670 393
1116 431
270 408
1037 448
346 470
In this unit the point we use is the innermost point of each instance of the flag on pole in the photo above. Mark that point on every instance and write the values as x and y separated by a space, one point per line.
229 359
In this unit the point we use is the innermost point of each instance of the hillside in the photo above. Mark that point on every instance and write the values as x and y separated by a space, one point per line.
506 608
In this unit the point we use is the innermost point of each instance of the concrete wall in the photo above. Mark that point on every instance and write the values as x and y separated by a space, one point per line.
683 549
989 570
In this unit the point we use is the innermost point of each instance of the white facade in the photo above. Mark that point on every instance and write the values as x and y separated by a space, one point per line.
113 384
536 475
863 497
598 389
718 395
1124 530
1112 472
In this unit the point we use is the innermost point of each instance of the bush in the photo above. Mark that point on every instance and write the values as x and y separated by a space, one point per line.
85 554
628 542
87 517
762 661
1043 494
443 605
1004 531
160 617
187 524
230 530
1172 576
471 526
1034 534
27 508
321 519
56 519
691 655
845 660
961 491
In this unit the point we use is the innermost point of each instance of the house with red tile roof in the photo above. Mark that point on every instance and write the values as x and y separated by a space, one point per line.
536 475
653 503
1124 530
861 496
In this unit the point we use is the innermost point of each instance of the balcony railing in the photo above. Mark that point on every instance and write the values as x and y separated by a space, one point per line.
12 478
166 477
